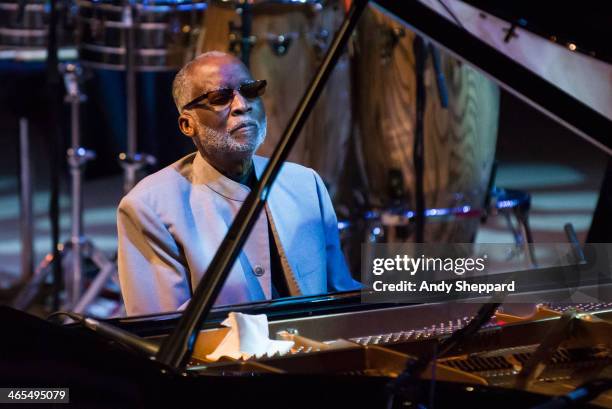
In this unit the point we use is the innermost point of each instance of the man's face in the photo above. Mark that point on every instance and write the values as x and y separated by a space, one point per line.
238 127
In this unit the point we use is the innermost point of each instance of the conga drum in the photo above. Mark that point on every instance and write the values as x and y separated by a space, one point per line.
459 140
288 42
24 25
164 32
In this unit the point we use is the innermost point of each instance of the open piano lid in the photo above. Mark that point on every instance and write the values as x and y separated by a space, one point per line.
556 67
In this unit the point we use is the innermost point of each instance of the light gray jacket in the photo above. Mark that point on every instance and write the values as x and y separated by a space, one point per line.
171 224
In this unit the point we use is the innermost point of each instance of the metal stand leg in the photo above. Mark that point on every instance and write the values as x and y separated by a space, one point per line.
107 270
28 293
78 247
131 161
25 202
522 219
82 248
77 159
518 237
521 233
515 203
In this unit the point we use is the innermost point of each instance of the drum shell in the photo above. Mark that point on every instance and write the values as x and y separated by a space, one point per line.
459 140
323 143
26 25
164 34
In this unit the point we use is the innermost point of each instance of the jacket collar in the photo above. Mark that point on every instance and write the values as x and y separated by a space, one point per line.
205 174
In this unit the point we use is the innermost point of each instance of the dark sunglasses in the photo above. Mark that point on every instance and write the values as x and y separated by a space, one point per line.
222 97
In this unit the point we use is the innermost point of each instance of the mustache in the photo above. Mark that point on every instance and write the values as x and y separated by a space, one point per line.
244 124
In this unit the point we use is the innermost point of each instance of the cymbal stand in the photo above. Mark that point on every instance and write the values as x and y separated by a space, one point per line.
131 162
78 247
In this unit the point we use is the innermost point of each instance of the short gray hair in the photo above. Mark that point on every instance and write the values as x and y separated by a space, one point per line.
182 86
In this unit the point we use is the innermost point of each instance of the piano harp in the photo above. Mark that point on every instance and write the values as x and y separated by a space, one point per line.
342 336
346 353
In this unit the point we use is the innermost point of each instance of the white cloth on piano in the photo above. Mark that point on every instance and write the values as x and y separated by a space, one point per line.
248 336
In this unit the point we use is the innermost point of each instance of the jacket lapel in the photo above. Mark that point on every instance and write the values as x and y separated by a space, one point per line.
253 262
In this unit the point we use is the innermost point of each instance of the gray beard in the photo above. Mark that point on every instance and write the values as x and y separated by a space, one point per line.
222 142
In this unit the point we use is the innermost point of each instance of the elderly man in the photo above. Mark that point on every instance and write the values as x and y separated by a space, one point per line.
172 223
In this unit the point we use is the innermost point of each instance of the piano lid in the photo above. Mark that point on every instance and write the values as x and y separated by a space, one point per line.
586 24
553 71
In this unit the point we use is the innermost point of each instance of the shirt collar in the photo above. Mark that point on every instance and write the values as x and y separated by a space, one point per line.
205 174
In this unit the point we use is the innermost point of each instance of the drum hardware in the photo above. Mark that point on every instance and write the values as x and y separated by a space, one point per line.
395 186
131 161
25 202
489 191
391 37
388 224
97 28
26 228
515 203
240 38
246 21
383 223
578 256
510 203
78 247
320 41
237 39
280 44
175 29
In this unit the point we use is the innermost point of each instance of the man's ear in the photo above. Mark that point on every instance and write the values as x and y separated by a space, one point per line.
187 124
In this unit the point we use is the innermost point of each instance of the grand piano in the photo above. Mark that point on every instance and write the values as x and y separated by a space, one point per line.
347 353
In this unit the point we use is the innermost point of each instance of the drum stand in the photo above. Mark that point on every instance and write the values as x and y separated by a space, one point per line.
130 161
78 247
